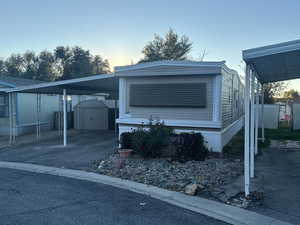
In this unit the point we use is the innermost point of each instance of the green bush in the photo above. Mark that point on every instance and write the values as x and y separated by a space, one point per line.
126 140
190 146
150 143
154 141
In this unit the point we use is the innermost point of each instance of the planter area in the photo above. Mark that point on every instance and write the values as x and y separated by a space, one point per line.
178 162
191 177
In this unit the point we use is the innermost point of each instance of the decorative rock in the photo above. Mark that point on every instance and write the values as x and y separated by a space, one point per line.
101 165
206 175
191 189
119 163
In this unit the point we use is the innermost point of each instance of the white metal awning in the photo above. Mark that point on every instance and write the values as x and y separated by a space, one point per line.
266 64
273 63
103 83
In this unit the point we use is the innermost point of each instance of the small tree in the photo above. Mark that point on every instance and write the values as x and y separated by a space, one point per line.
272 90
291 94
171 47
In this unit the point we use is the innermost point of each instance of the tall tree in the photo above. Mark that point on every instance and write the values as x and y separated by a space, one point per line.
100 65
62 63
46 70
272 90
15 65
2 67
291 94
63 55
170 47
31 65
80 63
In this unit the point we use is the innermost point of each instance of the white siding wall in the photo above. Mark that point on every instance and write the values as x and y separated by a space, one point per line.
296 116
27 114
27 108
232 98
4 126
162 113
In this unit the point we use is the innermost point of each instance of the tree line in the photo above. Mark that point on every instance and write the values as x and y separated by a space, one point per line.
71 62
60 64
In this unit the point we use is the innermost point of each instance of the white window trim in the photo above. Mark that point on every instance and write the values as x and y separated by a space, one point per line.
217 94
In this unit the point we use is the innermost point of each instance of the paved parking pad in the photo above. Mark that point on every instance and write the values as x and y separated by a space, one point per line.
80 153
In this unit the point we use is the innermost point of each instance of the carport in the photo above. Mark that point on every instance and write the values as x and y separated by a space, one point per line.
102 83
266 64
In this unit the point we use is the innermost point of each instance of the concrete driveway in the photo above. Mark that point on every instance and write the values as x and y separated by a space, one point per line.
29 198
80 153
280 172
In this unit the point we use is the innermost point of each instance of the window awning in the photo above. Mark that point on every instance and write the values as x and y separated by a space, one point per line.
277 62
103 83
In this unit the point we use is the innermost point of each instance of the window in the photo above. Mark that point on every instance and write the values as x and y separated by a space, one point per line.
168 95
3 105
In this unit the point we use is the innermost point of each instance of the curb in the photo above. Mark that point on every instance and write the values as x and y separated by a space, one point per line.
216 210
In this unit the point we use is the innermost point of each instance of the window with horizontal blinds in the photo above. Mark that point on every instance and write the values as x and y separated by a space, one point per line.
168 95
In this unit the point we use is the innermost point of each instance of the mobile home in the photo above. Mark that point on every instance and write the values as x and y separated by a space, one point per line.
24 107
189 96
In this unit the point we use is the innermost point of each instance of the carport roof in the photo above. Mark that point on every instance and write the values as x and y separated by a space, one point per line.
276 62
103 83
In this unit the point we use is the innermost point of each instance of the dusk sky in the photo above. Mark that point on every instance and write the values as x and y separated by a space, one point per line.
118 30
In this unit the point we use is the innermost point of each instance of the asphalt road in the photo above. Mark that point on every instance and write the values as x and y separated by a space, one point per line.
38 199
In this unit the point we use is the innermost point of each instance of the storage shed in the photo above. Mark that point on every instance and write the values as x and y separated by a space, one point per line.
91 115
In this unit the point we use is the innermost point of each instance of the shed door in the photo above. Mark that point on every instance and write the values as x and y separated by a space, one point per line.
95 119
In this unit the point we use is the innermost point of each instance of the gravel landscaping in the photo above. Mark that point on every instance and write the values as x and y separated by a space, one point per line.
192 177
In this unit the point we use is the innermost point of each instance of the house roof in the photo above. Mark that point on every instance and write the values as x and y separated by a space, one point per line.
276 62
11 82
171 67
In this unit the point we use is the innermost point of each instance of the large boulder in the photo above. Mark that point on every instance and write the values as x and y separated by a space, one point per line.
191 189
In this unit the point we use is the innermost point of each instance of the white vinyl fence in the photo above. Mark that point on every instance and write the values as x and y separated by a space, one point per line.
296 116
271 116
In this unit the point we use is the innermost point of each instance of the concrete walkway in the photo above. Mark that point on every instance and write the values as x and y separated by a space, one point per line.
226 213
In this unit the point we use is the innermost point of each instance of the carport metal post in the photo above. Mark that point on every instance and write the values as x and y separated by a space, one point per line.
10 118
65 115
247 129
252 124
116 124
262 112
38 122
256 117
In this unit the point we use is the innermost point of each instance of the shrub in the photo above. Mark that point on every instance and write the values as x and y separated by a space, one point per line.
150 143
126 140
190 146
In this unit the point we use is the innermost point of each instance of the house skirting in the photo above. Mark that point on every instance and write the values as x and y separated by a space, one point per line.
215 139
